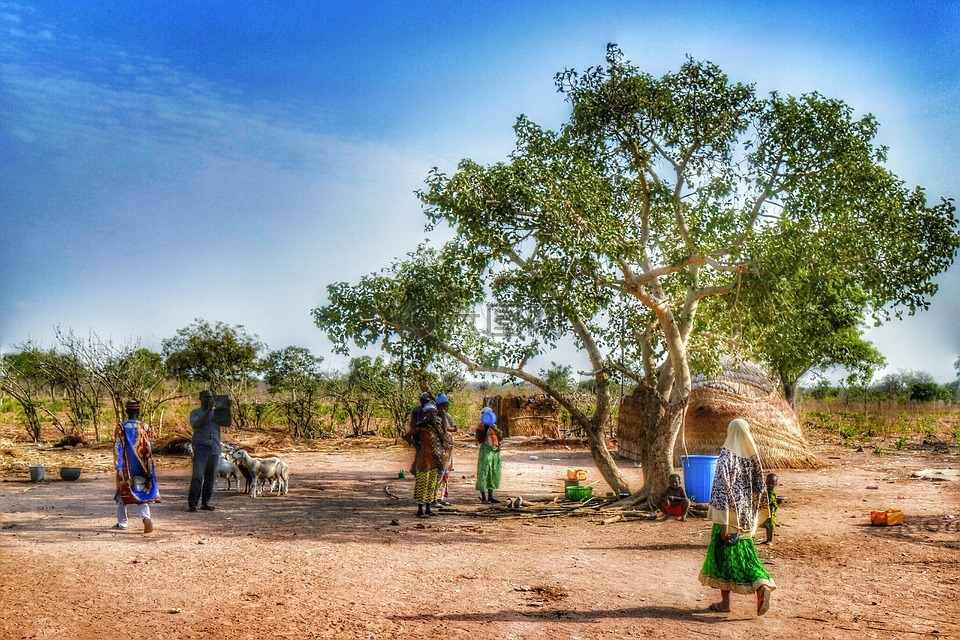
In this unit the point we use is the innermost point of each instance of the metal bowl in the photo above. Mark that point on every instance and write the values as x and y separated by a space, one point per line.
69 473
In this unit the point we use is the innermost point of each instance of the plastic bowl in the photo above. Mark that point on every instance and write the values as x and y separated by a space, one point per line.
69 473
579 493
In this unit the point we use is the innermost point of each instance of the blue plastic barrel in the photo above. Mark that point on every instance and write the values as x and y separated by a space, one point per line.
698 472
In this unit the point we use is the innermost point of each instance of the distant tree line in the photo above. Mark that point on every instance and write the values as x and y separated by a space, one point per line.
898 387
81 383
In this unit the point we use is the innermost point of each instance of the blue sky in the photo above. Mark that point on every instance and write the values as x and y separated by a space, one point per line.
165 161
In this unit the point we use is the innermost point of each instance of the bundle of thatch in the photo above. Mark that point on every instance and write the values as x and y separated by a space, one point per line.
527 415
629 425
173 444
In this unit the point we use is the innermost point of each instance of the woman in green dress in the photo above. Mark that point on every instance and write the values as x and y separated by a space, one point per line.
738 502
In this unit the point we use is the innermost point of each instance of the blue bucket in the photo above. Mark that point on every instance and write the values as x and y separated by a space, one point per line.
698 472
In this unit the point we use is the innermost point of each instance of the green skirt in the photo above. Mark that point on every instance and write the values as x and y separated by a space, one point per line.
488 468
737 568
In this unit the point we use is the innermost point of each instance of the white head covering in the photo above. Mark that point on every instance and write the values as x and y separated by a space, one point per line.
739 439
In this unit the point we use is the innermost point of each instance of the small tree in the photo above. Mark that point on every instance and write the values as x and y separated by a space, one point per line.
22 376
71 368
560 377
130 372
293 374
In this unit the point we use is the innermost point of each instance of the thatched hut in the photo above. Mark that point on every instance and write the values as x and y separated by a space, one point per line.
742 391
527 415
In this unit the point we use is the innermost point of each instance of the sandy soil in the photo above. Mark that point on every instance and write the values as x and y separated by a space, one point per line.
340 558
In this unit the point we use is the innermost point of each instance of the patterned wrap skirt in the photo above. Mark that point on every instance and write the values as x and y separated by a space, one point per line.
425 485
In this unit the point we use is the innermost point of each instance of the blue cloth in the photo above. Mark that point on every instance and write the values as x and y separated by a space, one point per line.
136 476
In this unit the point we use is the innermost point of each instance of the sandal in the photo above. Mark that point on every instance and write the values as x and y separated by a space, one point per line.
763 605
715 606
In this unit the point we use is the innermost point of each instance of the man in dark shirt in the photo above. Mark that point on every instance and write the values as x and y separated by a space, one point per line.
206 454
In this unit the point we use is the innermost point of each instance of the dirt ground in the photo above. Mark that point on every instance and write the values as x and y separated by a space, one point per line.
339 557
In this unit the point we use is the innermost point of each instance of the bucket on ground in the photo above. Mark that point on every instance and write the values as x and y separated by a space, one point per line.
37 472
698 472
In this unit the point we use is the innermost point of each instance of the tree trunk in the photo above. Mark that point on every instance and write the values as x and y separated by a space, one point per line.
659 427
790 393
604 461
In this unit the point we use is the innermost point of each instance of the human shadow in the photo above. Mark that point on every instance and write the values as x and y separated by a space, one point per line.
650 612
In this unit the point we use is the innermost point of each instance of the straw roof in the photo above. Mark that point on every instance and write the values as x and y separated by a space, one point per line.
527 415
773 423
746 394
742 378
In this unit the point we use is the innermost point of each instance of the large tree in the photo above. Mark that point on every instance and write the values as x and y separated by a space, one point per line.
646 229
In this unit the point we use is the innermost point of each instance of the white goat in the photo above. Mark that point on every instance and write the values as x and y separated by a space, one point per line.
263 469
281 480
227 468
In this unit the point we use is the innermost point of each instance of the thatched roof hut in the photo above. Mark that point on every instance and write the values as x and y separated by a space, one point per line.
742 391
527 415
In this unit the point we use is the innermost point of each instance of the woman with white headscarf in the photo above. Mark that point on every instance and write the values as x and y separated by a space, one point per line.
738 502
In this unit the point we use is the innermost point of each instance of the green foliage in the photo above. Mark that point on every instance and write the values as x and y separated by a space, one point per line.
901 443
559 377
293 374
927 392
219 355
878 450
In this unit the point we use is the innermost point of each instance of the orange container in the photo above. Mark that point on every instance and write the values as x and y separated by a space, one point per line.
581 475
571 474
886 518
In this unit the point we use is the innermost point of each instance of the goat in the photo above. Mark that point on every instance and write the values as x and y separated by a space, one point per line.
227 468
281 480
263 469
247 476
